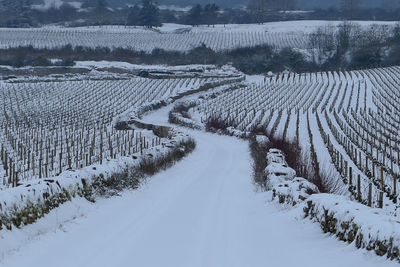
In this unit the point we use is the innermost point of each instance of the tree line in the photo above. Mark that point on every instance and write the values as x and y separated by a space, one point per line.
350 46
147 13
251 60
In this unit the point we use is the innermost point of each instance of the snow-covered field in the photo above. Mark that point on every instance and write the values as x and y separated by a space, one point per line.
47 127
205 211
173 37
351 118
145 40
202 212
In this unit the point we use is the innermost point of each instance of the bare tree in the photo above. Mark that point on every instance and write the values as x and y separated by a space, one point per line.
322 42
345 36
259 9
284 5
369 47
349 8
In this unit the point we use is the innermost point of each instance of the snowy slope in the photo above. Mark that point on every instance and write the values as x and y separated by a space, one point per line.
171 37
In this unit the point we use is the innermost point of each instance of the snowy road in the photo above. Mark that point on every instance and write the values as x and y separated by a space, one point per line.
202 212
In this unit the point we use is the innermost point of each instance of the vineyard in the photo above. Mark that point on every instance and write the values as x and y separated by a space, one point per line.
201 165
49 127
173 37
89 137
146 40
347 122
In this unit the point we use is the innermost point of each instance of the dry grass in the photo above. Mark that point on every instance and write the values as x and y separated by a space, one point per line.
298 159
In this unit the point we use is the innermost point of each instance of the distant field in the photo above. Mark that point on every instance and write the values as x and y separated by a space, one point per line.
142 40
170 37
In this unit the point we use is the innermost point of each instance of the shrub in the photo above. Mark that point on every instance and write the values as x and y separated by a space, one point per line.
259 152
152 165
214 124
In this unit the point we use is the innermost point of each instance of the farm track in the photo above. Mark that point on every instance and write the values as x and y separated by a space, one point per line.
202 212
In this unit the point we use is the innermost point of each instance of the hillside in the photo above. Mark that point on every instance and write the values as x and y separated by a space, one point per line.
197 143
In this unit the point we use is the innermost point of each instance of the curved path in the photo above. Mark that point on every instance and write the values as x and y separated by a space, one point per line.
202 212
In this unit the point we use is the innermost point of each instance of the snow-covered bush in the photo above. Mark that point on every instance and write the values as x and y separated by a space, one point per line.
276 156
278 173
32 200
282 180
355 223
180 115
277 170
26 203
262 140
178 119
294 191
237 133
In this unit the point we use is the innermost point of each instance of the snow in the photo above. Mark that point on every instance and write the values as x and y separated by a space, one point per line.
12 241
135 113
202 212
15 199
36 192
294 191
373 225
171 37
237 133
374 222
269 104
262 139
275 156
129 66
294 26
277 171
255 79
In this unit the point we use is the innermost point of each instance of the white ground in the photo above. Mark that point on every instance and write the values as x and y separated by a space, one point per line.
202 212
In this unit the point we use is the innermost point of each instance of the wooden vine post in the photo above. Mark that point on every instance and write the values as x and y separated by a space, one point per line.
382 188
370 194
395 188
359 195
350 176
